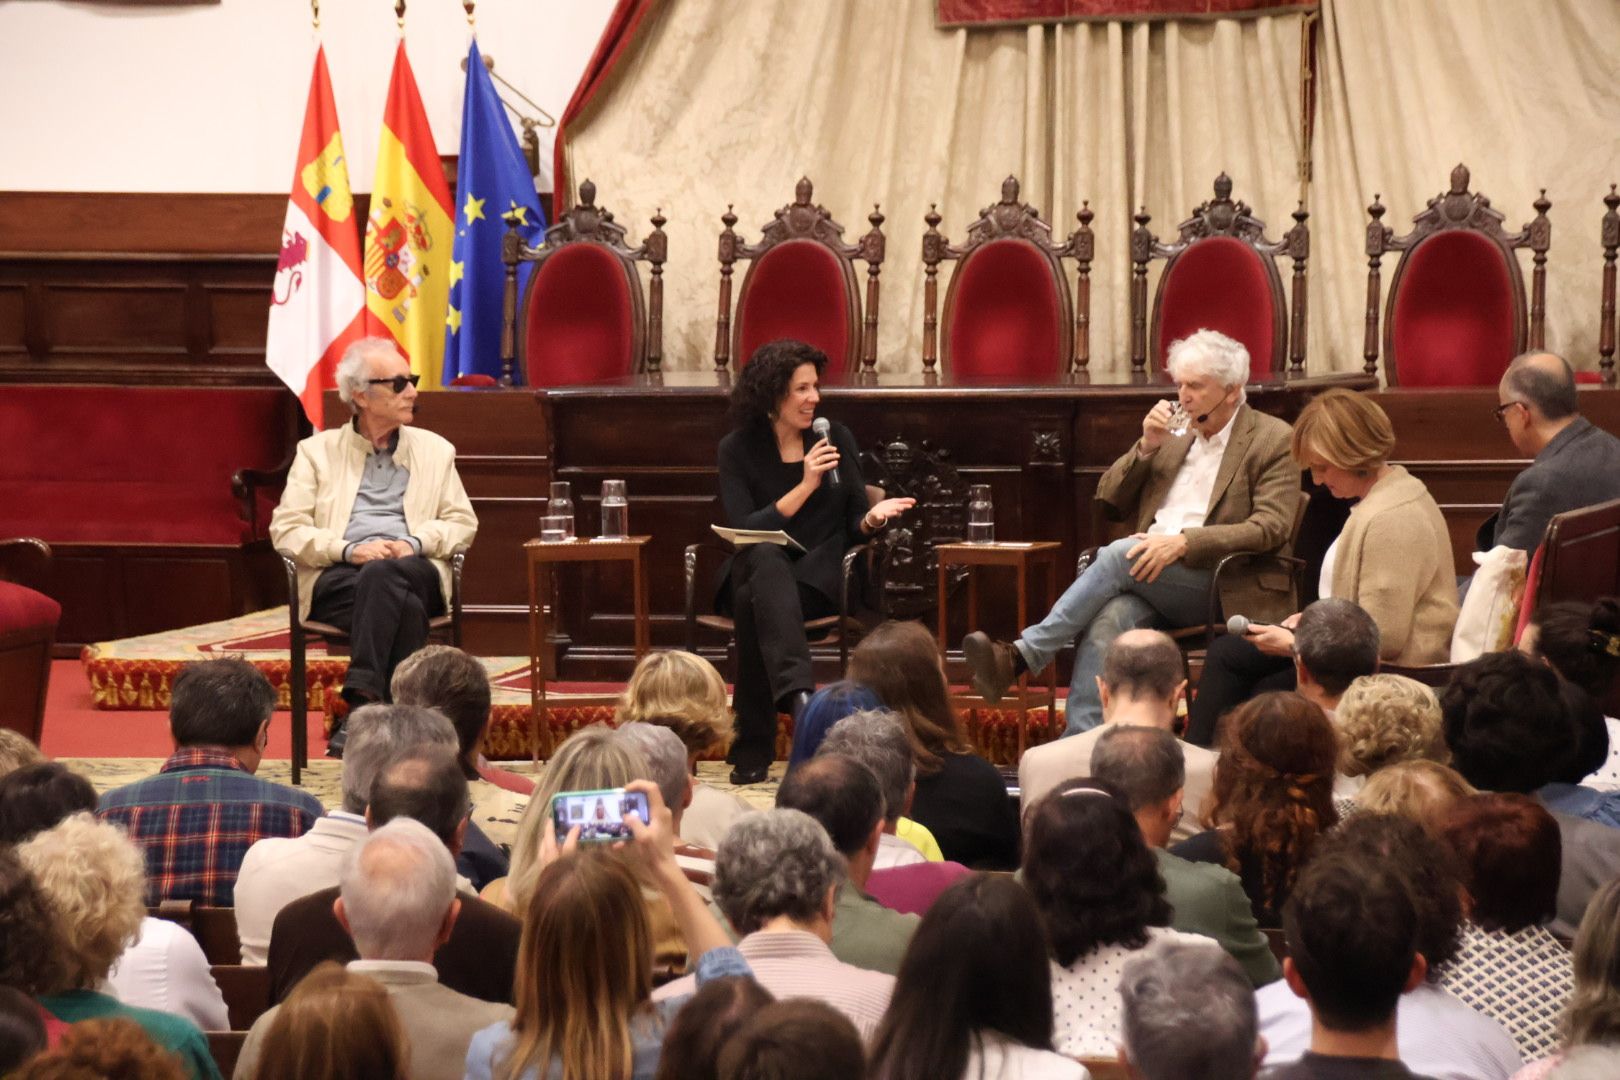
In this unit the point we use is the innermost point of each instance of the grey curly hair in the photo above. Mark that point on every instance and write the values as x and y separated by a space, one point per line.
1210 353
351 374
775 863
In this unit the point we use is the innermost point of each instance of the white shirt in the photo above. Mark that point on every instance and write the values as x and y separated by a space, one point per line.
705 822
165 969
1187 503
893 851
1438 1036
278 870
1004 1059
1324 583
1085 996
1607 778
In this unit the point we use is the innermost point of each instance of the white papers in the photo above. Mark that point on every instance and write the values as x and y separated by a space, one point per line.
744 537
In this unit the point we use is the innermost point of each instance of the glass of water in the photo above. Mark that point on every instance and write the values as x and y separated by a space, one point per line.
1180 421
558 522
615 511
981 515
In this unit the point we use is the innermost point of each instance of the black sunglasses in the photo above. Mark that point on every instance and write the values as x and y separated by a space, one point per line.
398 382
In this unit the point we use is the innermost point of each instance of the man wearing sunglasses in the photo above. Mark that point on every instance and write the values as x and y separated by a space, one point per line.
372 513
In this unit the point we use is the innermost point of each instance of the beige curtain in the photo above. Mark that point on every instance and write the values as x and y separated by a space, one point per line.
724 103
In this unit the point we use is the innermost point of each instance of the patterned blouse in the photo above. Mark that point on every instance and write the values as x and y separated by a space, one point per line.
1085 996
1522 980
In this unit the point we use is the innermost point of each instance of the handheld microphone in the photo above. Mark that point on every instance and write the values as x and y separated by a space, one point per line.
1239 624
822 427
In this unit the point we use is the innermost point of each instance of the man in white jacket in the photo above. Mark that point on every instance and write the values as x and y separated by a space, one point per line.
372 512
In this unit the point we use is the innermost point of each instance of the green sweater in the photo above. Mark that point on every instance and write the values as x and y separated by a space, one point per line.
1209 900
174 1033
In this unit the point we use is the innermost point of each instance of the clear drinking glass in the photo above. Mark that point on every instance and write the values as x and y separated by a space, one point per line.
615 511
559 512
1180 421
981 515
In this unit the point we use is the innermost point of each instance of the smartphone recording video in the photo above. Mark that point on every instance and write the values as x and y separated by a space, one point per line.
599 814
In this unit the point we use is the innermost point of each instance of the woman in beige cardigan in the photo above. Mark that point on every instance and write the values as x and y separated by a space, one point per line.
1392 559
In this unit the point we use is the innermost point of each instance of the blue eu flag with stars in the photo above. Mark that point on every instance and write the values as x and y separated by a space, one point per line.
492 181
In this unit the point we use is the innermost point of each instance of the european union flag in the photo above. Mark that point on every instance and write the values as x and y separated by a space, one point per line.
492 180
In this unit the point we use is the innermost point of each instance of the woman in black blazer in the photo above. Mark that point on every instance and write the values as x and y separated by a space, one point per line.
773 475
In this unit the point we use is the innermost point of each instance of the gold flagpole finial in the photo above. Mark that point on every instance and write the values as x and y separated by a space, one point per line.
472 21
315 13
399 14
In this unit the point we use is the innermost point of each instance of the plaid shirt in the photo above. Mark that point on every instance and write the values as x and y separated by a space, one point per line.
196 819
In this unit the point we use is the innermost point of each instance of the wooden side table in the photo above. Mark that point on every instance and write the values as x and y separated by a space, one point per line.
541 555
1020 557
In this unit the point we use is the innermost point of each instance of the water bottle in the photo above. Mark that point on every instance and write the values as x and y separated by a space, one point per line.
615 511
981 515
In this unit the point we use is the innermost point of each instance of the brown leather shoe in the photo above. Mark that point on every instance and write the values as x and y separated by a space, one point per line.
991 663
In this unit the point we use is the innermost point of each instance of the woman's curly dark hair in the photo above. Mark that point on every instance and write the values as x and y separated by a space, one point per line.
1582 641
1090 872
1273 791
1509 723
30 957
766 377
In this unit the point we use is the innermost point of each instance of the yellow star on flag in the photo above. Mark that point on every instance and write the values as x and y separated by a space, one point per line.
453 321
519 212
474 210
457 269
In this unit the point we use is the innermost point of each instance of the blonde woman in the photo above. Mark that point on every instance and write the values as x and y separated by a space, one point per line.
1592 1017
683 692
1382 720
1420 791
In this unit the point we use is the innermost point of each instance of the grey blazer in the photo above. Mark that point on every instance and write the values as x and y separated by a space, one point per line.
1580 467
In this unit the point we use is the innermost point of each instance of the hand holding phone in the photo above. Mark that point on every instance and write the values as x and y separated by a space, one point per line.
599 815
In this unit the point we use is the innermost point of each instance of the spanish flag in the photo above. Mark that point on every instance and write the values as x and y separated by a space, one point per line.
410 231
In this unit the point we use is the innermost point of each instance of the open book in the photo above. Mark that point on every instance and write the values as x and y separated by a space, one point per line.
744 537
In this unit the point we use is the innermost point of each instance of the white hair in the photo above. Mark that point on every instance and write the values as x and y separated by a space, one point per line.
352 372
397 884
1212 353
666 759
1187 1010
381 734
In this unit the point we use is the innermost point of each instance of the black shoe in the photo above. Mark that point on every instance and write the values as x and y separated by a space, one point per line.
794 704
336 741
743 775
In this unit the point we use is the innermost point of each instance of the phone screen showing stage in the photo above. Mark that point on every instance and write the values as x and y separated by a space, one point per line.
599 814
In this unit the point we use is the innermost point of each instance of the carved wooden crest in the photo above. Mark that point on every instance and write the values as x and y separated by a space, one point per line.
909 579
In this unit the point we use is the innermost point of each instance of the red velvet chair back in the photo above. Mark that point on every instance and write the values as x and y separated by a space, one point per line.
804 290
1007 314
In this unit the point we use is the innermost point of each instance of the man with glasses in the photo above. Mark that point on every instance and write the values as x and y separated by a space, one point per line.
1576 464
372 512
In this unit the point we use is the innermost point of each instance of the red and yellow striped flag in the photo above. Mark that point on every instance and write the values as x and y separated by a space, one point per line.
410 231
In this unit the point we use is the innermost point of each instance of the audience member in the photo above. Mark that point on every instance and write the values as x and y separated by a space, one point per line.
90 878
198 816
427 786
1143 679
338 1025
16 750
844 797
693 1042
1438 1035
1187 1011
34 797
878 739
31 959
683 692
1582 643
1145 766
1101 899
584 976
1272 798
961 798
398 902
1509 967
974 994
1589 1063
1318 653
1384 720
793 1040
22 1029
1420 791
113 1047
776 881
666 766
1591 1020
825 708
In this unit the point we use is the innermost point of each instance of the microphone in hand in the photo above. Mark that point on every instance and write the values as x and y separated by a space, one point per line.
822 428
1239 624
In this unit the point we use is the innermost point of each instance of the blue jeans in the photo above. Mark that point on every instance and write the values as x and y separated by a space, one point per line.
1102 604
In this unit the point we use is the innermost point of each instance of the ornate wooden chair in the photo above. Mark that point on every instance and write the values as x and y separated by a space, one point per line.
583 315
1220 273
801 285
28 621
1008 309
1455 315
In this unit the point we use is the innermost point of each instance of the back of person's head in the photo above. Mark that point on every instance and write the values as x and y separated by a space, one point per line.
1507 723
381 734
976 966
1090 872
878 739
1593 1012
1588 1063
842 794
693 1040
1273 787
108 1048
397 886
900 662
1420 791
93 879
797 1039
665 755
22 1029
683 692
1352 938
1582 642
1384 719
35 797
1337 642
1543 380
445 678
1188 1011
777 864
30 960
425 785
335 1024
822 713
1144 764
219 703
584 967
1427 867
1143 665
16 750
1510 853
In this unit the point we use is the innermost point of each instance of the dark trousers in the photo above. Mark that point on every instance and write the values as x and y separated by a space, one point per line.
769 606
384 606
1234 672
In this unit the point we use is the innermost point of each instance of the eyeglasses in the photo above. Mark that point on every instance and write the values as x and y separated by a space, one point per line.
1501 410
399 382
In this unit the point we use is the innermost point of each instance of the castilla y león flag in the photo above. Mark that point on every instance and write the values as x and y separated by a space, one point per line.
409 234
317 304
